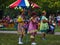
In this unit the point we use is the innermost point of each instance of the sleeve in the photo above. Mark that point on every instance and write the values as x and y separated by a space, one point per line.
44 18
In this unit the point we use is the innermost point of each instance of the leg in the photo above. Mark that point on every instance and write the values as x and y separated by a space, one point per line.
43 35
33 38
20 34
20 39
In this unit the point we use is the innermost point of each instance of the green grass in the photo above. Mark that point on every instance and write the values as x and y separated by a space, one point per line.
12 39
57 29
8 29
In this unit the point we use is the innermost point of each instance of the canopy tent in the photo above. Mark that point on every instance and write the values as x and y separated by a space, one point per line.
34 5
24 3
14 4
20 3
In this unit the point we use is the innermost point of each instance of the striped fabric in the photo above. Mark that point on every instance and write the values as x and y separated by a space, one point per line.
20 3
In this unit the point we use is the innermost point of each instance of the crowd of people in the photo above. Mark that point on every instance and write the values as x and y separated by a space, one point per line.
33 25
6 21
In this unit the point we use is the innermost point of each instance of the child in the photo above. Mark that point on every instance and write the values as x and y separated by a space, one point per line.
51 27
26 26
44 25
20 29
32 29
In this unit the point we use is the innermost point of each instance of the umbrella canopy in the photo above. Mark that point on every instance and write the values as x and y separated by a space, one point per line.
20 3
24 3
34 5
14 4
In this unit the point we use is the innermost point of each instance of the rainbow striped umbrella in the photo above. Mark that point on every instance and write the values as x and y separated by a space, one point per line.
20 3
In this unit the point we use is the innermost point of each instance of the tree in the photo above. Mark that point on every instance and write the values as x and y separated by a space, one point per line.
48 5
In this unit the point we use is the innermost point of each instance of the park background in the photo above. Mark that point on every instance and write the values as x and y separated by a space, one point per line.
50 6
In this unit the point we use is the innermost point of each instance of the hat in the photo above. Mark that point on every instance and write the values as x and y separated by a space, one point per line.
44 11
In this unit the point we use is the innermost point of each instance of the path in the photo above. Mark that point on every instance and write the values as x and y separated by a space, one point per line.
15 32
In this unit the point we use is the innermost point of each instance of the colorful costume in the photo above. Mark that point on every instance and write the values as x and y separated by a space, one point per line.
43 26
20 25
32 26
26 27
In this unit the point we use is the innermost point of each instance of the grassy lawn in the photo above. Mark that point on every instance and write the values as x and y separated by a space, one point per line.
12 39
7 29
57 29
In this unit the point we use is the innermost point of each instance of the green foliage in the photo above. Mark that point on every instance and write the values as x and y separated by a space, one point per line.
48 5
3 6
4 3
